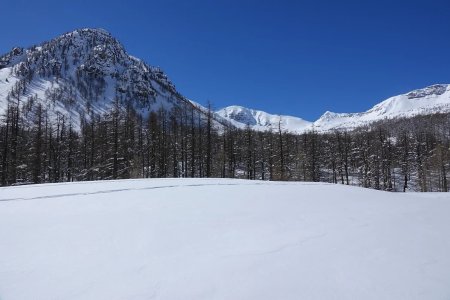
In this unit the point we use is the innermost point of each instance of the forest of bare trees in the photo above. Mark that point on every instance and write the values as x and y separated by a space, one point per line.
396 155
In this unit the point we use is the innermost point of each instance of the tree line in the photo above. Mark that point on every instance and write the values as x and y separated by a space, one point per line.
38 145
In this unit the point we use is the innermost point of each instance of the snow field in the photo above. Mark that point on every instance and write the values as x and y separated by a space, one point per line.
221 239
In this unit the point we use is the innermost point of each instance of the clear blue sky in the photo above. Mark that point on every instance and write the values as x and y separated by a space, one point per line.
289 57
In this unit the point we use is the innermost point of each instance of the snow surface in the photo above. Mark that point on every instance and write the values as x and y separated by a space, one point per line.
221 239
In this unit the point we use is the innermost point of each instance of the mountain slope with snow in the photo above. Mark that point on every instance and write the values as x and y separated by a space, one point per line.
242 117
429 100
84 72
221 239
87 71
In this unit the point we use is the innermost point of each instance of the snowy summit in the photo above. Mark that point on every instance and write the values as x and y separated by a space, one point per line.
426 101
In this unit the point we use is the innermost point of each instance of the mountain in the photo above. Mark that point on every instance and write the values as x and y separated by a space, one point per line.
84 72
242 117
429 100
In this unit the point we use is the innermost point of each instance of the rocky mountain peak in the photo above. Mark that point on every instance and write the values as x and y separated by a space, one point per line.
85 71
436 89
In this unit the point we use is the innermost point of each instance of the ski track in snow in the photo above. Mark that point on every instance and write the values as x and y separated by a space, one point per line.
113 191
129 189
281 248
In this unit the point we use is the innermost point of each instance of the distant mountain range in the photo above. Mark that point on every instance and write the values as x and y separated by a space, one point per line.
242 117
86 71
429 100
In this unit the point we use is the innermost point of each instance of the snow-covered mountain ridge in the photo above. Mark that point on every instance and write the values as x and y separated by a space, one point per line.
429 100
83 72
242 117
86 71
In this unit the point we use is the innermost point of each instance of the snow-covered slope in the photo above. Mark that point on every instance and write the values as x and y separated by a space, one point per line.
242 117
221 239
429 100
81 72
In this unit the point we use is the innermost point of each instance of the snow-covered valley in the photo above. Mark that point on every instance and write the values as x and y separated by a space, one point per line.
221 239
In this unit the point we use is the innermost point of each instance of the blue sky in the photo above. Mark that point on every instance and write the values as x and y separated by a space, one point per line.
288 57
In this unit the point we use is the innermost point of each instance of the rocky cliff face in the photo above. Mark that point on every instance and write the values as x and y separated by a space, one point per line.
83 72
